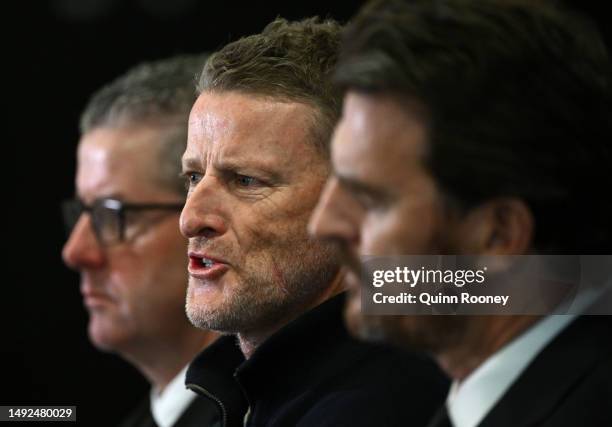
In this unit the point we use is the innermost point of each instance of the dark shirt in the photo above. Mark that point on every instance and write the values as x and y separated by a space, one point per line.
312 373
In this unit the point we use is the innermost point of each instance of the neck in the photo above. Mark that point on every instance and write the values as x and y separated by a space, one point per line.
252 339
162 360
484 336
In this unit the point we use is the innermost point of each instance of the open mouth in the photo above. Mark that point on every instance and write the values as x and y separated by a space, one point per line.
207 263
205 267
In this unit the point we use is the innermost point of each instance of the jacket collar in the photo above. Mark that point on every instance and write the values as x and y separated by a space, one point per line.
297 354
211 374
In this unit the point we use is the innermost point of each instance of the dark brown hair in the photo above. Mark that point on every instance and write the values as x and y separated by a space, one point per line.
517 99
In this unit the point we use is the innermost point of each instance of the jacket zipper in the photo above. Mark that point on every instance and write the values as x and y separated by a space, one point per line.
200 390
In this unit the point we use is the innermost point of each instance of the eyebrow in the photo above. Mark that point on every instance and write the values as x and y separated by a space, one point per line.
359 187
247 167
190 163
234 167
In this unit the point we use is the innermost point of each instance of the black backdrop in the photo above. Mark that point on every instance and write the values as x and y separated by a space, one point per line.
60 51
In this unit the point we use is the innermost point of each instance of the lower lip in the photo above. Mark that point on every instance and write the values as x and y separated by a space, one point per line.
197 270
96 301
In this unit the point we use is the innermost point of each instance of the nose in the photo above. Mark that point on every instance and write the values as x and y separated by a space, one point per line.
82 250
202 214
336 216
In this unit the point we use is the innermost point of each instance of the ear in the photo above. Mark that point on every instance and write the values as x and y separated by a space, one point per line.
502 226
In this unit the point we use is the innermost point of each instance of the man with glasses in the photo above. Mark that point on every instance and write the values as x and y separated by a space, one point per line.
124 234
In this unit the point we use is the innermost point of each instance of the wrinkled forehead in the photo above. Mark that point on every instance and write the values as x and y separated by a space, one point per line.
231 125
116 162
377 128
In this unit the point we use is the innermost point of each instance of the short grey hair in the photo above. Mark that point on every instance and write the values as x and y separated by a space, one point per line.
161 93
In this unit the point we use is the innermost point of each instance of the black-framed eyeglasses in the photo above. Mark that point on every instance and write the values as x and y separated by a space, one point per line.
108 216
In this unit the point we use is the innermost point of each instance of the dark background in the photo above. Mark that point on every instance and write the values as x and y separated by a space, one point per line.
63 51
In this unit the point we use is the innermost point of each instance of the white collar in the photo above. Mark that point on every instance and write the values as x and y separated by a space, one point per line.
168 406
469 401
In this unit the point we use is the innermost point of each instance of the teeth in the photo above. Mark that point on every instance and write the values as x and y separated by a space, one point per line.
207 262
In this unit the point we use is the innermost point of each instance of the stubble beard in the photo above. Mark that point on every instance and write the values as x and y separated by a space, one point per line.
270 293
428 333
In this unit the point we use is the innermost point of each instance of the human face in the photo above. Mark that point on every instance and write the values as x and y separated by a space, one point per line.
381 200
134 290
254 178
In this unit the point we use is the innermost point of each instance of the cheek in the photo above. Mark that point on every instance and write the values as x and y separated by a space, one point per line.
150 289
165 263
125 267
281 237
383 235
129 277
273 221
153 268
407 231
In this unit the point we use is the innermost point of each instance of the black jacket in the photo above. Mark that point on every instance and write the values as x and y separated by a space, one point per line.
568 384
312 373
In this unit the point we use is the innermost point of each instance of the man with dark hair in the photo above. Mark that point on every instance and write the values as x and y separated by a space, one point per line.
255 162
124 235
482 128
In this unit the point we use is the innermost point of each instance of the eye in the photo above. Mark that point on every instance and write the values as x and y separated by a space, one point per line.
246 181
191 179
366 201
194 178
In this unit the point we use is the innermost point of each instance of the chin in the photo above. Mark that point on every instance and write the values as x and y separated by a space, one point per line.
367 328
205 295
192 312
199 311
106 337
102 342
424 333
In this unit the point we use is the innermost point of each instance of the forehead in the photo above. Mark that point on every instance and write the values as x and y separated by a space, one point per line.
233 126
118 162
378 140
